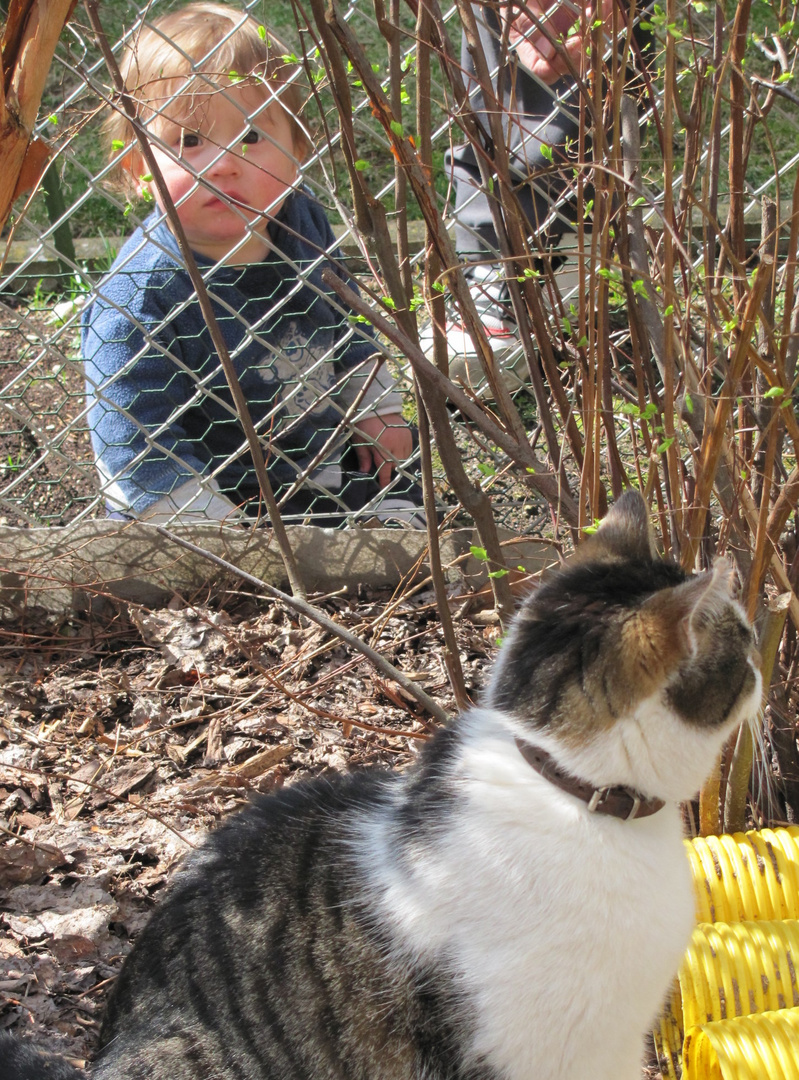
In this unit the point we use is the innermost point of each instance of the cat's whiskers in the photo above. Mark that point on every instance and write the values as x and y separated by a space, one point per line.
766 802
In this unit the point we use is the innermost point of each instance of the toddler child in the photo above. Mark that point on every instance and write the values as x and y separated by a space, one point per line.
221 107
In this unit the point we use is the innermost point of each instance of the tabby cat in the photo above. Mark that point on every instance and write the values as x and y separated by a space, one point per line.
511 908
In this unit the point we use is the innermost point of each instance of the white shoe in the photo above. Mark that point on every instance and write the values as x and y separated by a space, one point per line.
490 294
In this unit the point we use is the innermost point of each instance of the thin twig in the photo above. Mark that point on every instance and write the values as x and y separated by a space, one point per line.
317 616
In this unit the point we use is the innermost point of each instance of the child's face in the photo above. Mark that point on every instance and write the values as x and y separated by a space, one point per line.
250 164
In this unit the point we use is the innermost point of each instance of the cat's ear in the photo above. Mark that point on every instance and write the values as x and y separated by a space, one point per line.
697 602
668 627
624 532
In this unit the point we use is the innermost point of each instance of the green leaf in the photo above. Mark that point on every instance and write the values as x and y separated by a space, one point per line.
589 530
546 151
262 33
361 165
521 569
649 410
689 403
146 178
774 392
479 553
397 128
118 144
52 119
235 77
630 410
665 444
786 77
485 469
498 573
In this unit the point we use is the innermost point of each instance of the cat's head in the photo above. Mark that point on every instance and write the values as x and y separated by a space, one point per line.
634 672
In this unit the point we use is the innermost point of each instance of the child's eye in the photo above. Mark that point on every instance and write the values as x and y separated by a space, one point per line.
252 136
189 140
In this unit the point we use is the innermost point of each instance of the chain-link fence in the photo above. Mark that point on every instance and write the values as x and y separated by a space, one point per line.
114 396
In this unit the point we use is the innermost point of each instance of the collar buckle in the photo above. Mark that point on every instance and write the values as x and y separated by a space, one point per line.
596 800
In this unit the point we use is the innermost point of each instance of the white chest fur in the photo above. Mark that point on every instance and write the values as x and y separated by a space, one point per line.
562 927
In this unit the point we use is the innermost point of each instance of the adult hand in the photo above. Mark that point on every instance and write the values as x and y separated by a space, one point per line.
535 51
392 442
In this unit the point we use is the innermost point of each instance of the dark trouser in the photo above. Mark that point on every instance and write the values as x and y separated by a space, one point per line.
533 114
357 491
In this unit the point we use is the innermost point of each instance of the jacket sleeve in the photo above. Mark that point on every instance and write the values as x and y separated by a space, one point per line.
358 352
137 385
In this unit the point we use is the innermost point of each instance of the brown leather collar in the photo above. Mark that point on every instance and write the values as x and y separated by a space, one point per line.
618 801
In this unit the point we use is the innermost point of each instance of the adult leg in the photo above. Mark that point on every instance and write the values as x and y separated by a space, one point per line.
533 115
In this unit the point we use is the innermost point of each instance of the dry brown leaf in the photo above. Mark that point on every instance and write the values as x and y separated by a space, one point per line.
259 763
27 864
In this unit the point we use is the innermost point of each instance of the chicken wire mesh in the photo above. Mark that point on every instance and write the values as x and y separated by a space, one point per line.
65 236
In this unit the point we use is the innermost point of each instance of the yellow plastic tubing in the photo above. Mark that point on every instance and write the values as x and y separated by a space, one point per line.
734 969
764 1047
729 970
753 875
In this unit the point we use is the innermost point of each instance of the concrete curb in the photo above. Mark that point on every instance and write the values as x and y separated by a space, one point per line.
58 570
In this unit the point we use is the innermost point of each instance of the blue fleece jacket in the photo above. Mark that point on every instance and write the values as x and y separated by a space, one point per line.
161 412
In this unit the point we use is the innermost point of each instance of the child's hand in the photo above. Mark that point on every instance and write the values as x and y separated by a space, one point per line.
535 51
393 441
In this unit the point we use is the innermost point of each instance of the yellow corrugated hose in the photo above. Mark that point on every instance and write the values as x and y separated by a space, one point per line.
764 1047
753 875
735 969
736 1002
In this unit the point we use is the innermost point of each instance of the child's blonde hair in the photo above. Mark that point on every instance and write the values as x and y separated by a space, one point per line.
186 53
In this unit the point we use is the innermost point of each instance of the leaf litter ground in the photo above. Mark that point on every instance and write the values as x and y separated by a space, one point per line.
123 739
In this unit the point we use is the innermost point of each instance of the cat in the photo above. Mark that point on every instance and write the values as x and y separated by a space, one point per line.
512 907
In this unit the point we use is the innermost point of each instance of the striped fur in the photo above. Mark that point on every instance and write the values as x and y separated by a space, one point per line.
465 920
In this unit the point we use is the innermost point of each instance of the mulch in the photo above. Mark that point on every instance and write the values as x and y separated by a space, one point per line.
123 739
